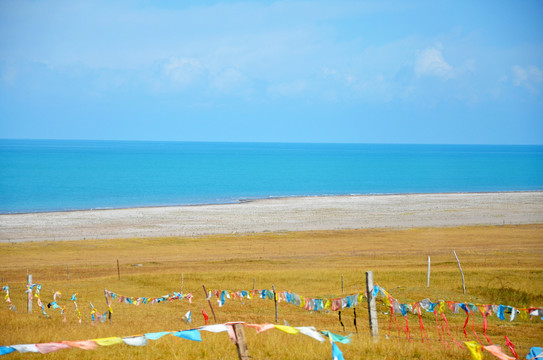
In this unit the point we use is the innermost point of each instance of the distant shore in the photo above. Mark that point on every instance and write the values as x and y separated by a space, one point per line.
280 214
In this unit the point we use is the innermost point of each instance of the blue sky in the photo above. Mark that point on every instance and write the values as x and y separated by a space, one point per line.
460 72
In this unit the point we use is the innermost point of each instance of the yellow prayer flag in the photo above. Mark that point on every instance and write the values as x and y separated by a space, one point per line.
387 301
328 304
360 297
108 341
441 308
287 329
475 349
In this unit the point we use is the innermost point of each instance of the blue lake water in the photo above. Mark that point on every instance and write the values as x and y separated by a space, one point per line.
54 175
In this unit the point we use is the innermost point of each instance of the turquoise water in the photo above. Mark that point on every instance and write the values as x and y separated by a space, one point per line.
54 175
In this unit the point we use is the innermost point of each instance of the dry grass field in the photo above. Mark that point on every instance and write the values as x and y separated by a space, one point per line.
502 265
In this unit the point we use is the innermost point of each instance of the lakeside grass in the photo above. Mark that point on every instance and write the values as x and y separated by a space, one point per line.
502 265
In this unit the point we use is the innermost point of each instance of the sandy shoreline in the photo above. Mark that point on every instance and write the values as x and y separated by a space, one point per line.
281 214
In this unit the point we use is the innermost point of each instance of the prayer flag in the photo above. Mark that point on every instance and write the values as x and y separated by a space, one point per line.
337 338
261 327
6 350
83 344
311 332
50 347
497 351
214 328
24 348
135 340
535 353
187 319
336 353
193 335
287 329
108 341
157 335
475 350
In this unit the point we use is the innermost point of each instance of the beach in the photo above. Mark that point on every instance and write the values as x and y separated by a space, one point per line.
400 211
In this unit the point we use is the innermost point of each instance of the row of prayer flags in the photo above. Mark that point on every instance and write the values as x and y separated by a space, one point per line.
192 334
174 295
335 304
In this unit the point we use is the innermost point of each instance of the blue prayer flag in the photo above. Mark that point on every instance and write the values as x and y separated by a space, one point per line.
193 335
336 353
6 350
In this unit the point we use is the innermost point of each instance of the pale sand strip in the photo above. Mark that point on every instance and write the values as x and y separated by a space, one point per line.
284 214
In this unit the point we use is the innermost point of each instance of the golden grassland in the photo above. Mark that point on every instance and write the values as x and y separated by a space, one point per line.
502 265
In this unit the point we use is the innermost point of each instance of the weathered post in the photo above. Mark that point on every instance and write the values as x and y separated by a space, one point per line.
461 272
118 270
108 302
341 284
372 310
29 298
209 302
275 300
428 276
243 352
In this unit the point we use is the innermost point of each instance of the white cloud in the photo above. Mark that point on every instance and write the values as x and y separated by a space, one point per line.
520 75
527 77
288 89
184 71
431 62
329 72
232 82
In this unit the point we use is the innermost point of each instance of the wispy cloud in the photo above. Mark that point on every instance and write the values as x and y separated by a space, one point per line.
232 82
184 71
431 62
528 77
288 89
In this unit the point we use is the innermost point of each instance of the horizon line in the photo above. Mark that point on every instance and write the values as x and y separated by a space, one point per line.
265 142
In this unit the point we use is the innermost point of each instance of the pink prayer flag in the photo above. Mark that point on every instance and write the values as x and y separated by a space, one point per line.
260 327
497 351
82 344
50 347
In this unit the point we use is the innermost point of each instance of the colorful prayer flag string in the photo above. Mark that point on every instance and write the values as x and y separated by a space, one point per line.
111 296
7 298
191 334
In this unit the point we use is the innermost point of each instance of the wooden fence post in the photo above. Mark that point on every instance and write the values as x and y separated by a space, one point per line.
461 272
428 276
275 300
372 310
109 309
118 270
241 343
210 306
29 299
